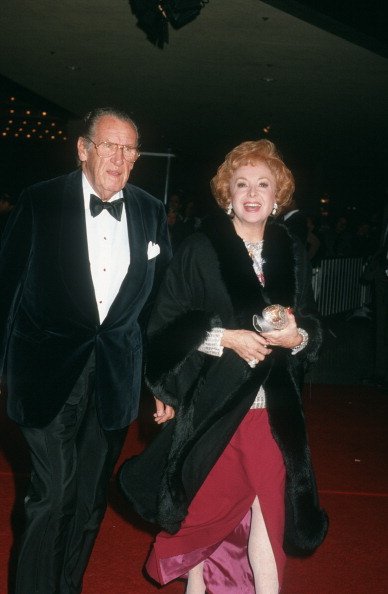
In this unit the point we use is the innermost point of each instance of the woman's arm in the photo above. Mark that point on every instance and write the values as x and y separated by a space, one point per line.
303 332
179 321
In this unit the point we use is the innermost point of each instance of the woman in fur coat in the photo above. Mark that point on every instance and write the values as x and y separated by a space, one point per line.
229 479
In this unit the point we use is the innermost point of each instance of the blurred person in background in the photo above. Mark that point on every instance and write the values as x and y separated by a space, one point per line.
376 274
6 206
296 221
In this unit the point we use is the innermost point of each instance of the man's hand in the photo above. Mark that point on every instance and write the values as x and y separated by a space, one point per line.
163 413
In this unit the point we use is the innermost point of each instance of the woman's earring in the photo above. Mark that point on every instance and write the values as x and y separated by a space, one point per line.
275 209
229 210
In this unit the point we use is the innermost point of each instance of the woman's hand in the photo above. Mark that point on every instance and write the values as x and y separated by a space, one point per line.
249 345
163 413
288 338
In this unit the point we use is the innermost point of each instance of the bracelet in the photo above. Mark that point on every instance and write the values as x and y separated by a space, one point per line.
305 338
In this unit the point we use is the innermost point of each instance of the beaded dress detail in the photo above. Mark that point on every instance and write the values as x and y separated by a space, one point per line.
254 250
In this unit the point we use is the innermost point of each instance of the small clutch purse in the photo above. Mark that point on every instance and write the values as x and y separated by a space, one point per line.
274 317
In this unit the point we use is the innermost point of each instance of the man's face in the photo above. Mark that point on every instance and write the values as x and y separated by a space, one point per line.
107 175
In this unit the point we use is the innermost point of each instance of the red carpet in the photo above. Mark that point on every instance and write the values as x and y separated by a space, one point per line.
349 441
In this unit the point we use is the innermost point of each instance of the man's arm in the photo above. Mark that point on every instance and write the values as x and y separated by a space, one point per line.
14 254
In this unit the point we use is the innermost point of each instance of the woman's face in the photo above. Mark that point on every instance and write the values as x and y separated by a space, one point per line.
253 195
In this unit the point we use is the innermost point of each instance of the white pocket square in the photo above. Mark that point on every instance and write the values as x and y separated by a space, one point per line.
153 250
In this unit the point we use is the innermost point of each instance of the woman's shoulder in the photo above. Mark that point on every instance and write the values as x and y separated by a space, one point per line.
196 243
279 236
195 253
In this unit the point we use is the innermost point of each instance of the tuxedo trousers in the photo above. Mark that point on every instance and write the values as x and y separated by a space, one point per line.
72 461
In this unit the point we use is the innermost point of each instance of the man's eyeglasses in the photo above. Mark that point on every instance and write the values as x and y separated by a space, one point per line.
107 149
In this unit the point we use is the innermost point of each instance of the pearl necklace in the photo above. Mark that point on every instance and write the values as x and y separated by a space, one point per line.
254 250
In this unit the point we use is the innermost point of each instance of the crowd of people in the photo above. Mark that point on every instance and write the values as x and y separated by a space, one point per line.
343 236
182 218
330 236
325 236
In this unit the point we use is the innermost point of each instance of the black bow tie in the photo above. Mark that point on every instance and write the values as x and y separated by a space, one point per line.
115 208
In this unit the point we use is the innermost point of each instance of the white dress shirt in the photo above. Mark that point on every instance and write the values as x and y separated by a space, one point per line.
109 253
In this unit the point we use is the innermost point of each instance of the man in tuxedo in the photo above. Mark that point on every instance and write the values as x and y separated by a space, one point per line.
81 257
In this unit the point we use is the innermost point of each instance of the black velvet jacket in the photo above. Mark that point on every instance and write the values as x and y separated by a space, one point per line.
49 321
211 282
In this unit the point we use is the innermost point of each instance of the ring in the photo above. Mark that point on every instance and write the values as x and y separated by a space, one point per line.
252 363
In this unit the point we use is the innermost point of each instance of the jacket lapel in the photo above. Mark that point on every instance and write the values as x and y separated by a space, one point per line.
135 277
73 249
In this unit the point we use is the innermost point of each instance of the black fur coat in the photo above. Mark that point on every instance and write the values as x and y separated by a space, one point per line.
210 283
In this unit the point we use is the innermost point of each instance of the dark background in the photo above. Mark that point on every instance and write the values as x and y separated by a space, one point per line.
316 72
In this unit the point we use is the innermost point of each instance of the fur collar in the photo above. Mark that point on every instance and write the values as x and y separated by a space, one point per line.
247 295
